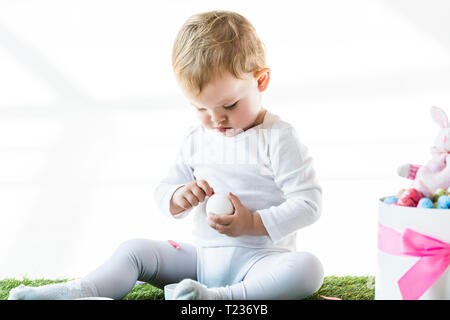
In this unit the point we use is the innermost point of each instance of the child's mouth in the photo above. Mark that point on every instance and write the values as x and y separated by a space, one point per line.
222 129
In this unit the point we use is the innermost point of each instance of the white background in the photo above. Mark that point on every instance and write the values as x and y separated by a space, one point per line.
91 118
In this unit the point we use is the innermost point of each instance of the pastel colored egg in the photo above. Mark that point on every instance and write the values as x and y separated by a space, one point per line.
406 202
443 202
400 193
390 200
414 194
439 192
425 203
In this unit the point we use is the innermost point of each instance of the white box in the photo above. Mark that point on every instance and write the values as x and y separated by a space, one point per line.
433 223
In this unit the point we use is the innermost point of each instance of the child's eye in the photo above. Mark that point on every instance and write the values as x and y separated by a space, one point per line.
231 107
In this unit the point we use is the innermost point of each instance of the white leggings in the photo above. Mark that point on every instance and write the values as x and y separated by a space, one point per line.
287 275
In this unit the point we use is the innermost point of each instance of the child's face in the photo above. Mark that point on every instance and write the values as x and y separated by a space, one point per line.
231 103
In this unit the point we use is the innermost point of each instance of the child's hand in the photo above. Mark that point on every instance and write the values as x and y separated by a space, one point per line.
241 222
190 195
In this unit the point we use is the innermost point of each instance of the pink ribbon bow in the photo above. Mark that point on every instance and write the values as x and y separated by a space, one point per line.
434 258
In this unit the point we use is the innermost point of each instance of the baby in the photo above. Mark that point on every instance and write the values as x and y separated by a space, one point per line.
240 149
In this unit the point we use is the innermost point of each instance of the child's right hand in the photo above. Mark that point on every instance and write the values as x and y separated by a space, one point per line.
190 195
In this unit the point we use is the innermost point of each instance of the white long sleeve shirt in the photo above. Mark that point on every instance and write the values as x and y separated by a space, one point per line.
266 167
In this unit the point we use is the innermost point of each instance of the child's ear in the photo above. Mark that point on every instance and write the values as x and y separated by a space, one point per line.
263 78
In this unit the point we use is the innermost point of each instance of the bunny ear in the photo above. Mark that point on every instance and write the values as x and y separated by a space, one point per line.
439 117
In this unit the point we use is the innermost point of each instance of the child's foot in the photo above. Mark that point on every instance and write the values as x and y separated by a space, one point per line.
192 290
59 291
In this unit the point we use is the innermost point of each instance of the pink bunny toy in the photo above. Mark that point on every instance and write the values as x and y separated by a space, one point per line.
435 173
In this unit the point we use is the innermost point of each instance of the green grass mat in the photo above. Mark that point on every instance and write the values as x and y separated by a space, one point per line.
346 288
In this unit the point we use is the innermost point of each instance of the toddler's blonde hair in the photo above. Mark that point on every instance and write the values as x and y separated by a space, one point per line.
212 43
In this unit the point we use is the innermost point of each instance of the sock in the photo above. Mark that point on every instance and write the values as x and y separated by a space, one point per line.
70 290
193 290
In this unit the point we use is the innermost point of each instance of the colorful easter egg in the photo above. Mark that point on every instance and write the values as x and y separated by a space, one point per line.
425 203
439 192
414 194
390 200
406 202
443 202
400 193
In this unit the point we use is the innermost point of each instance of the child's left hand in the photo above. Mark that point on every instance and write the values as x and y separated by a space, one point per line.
241 222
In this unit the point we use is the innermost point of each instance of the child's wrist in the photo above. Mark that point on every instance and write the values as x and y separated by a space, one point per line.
257 226
174 209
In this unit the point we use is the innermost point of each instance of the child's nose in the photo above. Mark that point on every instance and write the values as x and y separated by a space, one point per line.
217 118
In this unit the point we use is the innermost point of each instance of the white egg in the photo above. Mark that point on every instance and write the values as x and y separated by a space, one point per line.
219 204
